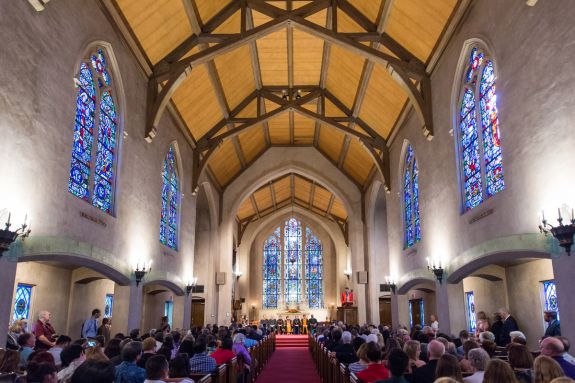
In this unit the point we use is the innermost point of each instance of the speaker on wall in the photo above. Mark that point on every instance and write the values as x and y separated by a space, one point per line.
220 278
362 277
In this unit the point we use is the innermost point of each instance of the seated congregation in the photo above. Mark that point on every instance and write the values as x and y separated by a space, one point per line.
225 354
351 353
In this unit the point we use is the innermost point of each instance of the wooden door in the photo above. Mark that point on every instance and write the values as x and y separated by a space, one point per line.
416 312
385 311
198 307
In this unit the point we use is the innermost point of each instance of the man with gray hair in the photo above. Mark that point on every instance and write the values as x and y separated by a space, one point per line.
344 351
486 335
478 359
44 331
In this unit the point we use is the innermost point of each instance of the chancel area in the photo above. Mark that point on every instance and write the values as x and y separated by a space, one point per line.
287 191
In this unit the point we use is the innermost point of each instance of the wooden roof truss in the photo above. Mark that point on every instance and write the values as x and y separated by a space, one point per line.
404 67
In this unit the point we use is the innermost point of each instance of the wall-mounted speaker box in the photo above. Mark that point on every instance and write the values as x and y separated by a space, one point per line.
362 277
198 289
220 278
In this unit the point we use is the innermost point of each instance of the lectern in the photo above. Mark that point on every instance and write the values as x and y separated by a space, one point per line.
347 315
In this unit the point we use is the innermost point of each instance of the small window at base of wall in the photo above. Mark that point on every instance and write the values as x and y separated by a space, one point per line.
109 307
22 302
550 297
479 139
169 311
470 308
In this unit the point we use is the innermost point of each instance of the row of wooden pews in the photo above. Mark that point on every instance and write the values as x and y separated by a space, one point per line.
329 370
234 371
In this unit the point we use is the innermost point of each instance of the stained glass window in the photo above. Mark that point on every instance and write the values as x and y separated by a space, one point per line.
292 262
272 270
169 311
481 158
96 119
109 307
412 307
411 199
313 270
471 317
170 201
289 266
550 296
22 302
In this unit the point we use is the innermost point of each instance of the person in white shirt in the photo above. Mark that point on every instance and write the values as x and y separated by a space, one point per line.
434 323
157 369
478 358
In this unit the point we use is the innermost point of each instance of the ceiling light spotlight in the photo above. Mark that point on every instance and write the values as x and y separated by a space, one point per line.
284 95
298 94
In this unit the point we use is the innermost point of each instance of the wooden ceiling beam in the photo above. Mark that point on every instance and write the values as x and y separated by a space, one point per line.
311 194
273 193
261 107
323 76
255 205
330 204
356 15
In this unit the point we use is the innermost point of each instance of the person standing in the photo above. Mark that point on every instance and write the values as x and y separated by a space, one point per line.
509 324
312 324
44 331
553 326
304 325
434 324
280 323
296 325
165 326
288 326
90 326
105 329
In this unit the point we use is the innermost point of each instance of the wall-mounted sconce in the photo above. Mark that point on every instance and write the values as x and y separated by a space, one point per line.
7 236
191 284
347 273
391 282
563 233
436 266
141 270
238 274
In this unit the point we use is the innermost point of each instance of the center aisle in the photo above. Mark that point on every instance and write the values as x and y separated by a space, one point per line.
291 362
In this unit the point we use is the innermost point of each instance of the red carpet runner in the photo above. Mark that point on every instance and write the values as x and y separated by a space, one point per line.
291 362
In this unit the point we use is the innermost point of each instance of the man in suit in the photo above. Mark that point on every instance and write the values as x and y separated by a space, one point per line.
426 374
509 324
296 325
553 326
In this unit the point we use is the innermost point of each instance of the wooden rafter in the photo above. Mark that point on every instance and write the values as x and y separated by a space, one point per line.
372 141
255 205
311 194
403 70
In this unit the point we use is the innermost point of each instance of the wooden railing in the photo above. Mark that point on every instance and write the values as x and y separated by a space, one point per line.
234 372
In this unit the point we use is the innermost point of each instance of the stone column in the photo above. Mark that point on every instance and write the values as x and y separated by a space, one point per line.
187 311
7 277
356 242
442 306
395 322
563 271
136 303
225 265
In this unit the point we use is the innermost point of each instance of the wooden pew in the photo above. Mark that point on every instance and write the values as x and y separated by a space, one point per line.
232 371
344 371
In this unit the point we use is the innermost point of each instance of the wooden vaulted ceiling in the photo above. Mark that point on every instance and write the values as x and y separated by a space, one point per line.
292 190
306 82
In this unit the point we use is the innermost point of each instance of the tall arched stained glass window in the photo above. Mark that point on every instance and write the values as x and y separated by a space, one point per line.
272 270
481 157
313 270
411 199
170 201
96 119
292 262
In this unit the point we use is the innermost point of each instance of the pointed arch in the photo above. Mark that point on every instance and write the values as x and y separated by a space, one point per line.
476 125
410 197
97 127
171 197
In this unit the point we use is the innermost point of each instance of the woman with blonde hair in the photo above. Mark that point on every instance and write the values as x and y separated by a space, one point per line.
448 366
498 371
363 361
545 369
413 349
562 379
95 353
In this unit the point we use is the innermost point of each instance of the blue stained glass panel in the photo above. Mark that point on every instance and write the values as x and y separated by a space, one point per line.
109 306
314 270
550 296
271 271
79 175
481 154
471 317
170 201
292 261
102 194
22 302
411 199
